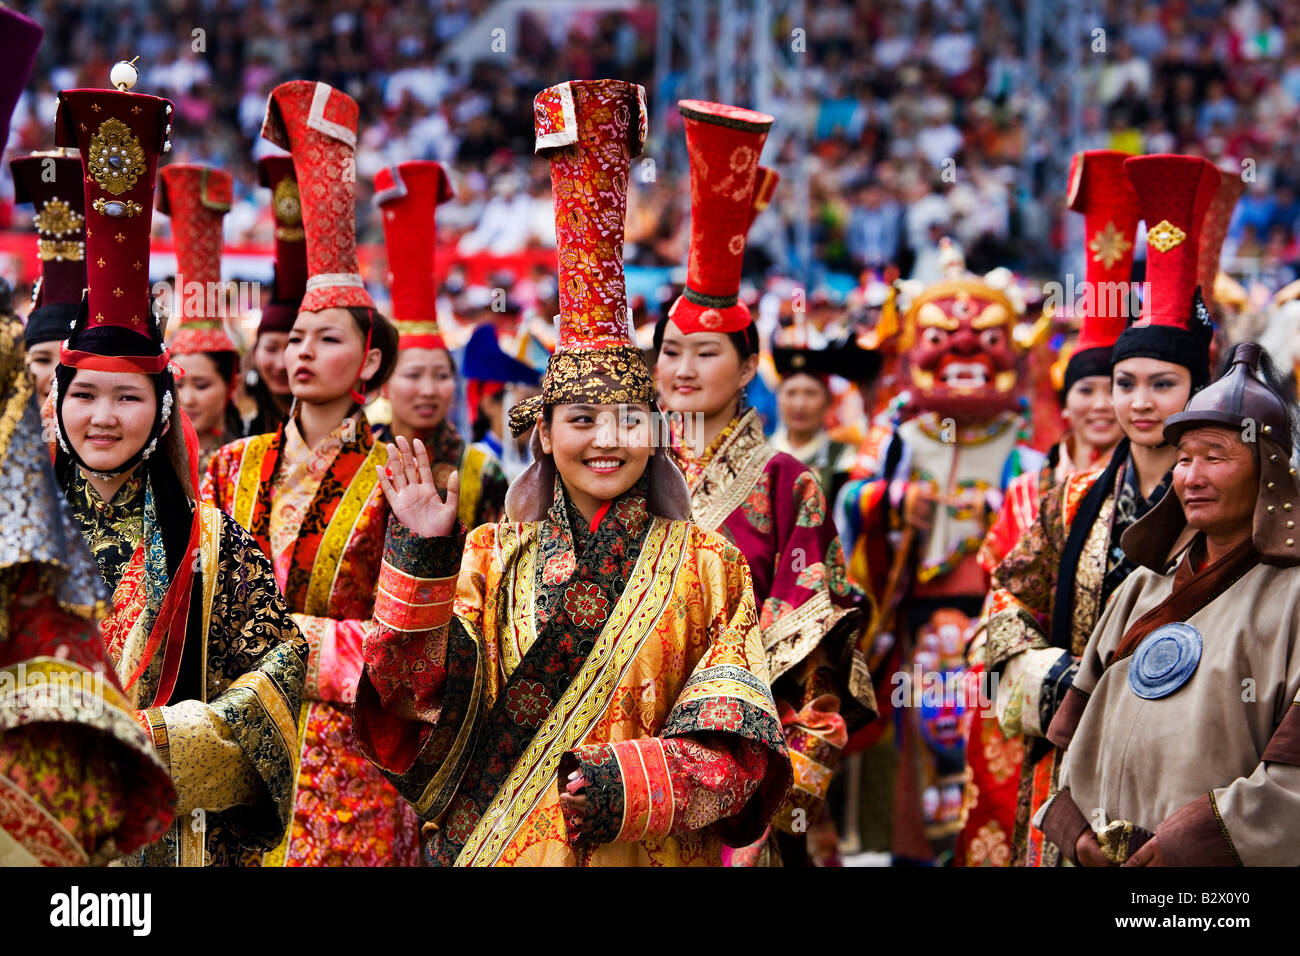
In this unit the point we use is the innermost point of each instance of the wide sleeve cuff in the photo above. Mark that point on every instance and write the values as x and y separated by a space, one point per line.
1194 835
417 580
1063 823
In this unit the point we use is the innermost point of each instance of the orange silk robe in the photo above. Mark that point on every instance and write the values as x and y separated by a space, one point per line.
674 686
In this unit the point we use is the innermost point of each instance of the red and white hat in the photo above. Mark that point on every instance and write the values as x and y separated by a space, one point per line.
408 195
727 193
318 125
197 198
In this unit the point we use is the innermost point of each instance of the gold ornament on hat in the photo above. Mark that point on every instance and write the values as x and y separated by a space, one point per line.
115 159
1108 246
57 218
288 210
1164 235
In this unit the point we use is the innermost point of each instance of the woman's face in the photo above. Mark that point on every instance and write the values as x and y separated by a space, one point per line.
324 354
268 359
1089 413
600 450
802 402
701 372
422 387
108 417
1145 392
41 359
203 393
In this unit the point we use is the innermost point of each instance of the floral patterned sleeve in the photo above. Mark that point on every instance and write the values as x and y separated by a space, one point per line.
720 759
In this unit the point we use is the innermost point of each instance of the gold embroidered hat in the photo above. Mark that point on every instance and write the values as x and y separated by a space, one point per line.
50 182
122 137
590 130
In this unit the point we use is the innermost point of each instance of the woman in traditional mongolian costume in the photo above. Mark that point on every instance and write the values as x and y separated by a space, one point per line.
197 198
423 384
1051 588
767 503
590 689
200 638
309 494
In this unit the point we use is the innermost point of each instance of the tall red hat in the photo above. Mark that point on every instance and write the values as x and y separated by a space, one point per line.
1215 230
122 137
724 143
50 182
318 125
590 130
1103 193
277 174
197 198
1174 193
408 195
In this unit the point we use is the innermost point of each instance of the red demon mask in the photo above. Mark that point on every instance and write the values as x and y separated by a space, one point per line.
962 358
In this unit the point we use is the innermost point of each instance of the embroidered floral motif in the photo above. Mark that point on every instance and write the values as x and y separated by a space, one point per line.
558 569
721 714
528 703
758 506
584 604
811 577
812 502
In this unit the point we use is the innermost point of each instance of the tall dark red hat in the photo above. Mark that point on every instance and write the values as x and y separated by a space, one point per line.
277 174
50 182
1103 193
724 143
197 198
1174 193
408 196
122 137
318 125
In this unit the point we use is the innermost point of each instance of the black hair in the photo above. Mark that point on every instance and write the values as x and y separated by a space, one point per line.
227 364
745 341
382 336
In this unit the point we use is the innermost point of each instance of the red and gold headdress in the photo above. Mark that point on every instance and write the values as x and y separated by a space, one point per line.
1103 193
1174 193
409 195
590 130
318 125
51 183
122 137
727 193
196 198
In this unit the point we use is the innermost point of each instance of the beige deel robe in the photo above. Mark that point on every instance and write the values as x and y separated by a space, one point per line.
1153 762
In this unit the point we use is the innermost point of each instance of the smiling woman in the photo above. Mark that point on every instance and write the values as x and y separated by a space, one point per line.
200 638
595 607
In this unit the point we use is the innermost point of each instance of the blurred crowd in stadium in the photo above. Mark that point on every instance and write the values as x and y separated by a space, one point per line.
897 91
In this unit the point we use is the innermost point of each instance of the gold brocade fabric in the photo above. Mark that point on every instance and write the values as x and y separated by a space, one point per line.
113 529
612 375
